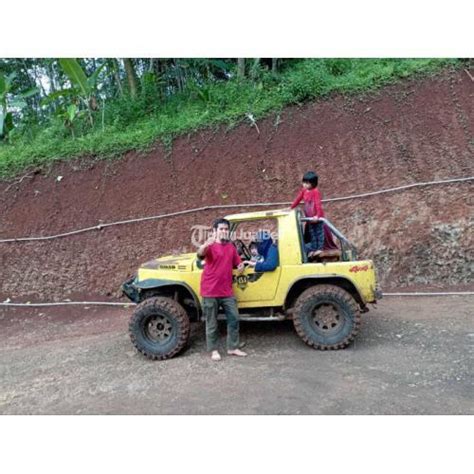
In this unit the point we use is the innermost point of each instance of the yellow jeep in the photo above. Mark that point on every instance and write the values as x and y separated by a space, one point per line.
323 298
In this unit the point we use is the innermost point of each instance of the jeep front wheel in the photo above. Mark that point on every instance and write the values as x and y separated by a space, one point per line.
326 317
159 328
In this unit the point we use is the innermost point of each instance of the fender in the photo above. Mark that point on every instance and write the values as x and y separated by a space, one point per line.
133 288
328 276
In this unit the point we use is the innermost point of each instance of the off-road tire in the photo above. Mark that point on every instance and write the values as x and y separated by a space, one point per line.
326 317
172 335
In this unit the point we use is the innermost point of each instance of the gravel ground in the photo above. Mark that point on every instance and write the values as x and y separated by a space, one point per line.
412 356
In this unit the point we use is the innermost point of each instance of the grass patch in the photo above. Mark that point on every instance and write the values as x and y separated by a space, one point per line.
139 124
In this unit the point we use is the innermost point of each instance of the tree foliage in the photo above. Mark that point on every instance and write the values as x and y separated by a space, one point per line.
56 108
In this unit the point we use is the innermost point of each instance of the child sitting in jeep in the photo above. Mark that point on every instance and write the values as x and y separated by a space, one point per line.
254 255
266 258
313 209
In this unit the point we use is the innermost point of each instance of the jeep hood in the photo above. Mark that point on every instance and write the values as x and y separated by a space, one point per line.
182 262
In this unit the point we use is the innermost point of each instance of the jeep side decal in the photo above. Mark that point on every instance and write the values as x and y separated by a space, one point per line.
358 268
243 280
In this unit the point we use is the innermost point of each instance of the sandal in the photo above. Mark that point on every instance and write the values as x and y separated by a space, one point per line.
215 356
237 352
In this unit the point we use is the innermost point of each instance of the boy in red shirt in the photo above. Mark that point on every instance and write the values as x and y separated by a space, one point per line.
313 209
221 258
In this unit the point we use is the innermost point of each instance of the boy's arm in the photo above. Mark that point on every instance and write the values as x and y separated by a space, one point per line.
297 199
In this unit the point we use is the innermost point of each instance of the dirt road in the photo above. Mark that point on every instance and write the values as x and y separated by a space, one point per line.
413 356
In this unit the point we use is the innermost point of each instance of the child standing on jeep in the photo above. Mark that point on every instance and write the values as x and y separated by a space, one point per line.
313 209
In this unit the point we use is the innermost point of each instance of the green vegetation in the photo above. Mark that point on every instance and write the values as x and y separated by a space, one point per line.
109 109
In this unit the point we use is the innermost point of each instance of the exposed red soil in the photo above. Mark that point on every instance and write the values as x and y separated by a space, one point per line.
416 131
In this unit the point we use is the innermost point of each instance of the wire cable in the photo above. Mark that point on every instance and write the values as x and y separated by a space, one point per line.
226 206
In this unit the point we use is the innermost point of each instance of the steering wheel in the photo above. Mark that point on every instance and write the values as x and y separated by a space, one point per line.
242 249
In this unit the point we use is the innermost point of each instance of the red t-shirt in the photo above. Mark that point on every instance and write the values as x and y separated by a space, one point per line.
216 279
312 202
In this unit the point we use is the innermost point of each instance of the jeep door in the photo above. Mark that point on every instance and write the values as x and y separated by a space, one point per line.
252 286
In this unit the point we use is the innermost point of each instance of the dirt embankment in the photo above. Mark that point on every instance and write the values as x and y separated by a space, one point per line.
411 132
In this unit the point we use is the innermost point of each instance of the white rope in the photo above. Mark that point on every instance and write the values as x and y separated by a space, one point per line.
228 206
64 303
406 186
105 303
434 293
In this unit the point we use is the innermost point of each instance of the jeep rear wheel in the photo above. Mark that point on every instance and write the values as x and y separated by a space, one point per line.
326 317
159 328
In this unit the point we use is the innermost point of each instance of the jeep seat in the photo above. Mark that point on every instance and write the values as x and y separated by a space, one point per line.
333 255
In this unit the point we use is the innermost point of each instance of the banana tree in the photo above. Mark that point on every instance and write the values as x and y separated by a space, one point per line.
69 115
11 102
83 87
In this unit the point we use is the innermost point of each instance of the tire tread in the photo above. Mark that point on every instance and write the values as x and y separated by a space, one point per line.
152 306
336 292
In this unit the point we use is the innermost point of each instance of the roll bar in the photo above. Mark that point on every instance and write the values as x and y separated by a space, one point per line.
346 245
